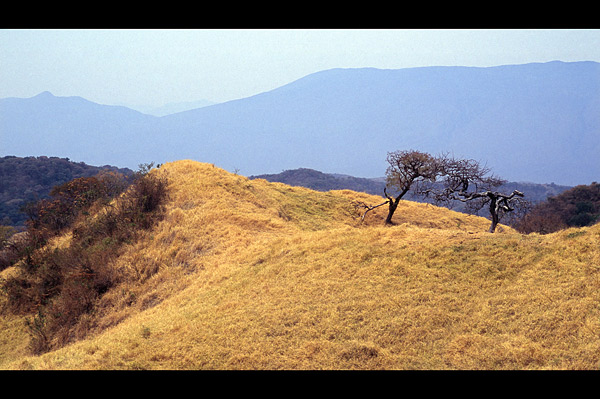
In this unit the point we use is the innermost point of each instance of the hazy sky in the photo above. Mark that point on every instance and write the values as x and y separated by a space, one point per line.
155 67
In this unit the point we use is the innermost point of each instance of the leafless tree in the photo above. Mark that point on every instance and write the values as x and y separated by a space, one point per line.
407 170
466 180
444 179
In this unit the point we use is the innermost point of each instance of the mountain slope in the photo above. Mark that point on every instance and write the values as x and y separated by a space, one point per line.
69 127
25 180
173 108
532 122
320 181
258 275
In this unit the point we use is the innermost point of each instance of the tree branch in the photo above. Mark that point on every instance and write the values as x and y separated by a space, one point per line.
368 208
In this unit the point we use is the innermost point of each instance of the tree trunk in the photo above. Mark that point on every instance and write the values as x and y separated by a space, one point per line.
494 222
392 208
393 203
493 213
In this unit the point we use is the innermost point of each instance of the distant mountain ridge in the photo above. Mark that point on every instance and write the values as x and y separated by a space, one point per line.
29 179
172 108
321 181
535 122
69 127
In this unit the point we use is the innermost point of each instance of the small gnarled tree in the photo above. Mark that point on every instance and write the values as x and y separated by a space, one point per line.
466 180
406 170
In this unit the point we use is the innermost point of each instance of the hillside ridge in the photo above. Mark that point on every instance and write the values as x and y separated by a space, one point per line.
249 274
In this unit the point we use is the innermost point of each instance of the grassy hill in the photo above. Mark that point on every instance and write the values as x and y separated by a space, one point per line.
248 274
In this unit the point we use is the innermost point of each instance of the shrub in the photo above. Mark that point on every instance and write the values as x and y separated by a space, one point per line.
576 207
68 201
63 284
12 245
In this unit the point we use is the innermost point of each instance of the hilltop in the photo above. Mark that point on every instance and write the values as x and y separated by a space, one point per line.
250 274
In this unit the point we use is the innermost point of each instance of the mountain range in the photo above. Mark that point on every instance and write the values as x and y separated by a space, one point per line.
536 122
170 108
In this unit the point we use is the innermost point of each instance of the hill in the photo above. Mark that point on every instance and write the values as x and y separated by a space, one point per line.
531 122
24 180
70 127
248 274
320 181
28 179
576 207
173 108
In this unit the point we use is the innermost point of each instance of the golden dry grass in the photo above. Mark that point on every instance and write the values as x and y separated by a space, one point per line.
247 274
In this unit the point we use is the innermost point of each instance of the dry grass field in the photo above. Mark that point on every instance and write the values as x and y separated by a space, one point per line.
247 274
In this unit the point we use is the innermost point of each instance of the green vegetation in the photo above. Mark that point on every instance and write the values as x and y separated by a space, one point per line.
576 207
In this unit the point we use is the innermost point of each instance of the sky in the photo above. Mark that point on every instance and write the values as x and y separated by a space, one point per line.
154 67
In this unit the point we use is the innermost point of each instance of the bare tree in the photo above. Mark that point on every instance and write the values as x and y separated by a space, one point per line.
467 181
444 179
407 170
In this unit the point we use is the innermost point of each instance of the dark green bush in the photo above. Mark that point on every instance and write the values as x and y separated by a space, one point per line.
576 207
